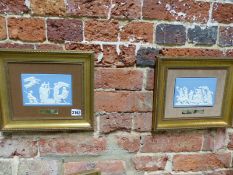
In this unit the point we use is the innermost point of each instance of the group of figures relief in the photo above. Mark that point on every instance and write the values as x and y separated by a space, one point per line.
194 92
43 90
199 96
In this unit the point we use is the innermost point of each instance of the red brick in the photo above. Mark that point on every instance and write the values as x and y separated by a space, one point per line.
127 56
126 9
16 46
85 47
229 53
110 55
21 147
93 8
61 30
45 167
129 142
172 142
27 29
221 172
80 144
49 47
214 140
123 101
150 79
223 13
142 122
173 10
226 36
2 28
101 30
173 52
230 144
201 162
13 6
106 167
104 78
137 31
115 121
48 7
150 163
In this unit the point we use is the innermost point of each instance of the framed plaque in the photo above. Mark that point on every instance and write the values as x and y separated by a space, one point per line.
46 90
193 93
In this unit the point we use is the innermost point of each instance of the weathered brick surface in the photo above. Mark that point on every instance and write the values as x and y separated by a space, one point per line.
13 6
214 140
129 142
172 52
61 30
48 7
86 47
127 56
2 28
137 31
21 147
5 167
126 9
146 56
172 142
107 167
49 47
126 101
201 162
229 53
142 122
221 172
169 34
202 36
27 29
230 144
83 47
115 121
72 145
16 46
150 163
226 36
150 79
223 13
110 55
45 167
104 78
94 8
101 30
187 10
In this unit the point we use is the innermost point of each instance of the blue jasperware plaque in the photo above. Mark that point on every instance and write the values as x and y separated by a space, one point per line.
46 89
194 92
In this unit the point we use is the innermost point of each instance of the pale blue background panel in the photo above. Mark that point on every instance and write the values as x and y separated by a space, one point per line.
46 89
194 92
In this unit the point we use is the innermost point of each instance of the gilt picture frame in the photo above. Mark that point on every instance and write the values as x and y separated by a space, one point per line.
89 172
46 90
193 93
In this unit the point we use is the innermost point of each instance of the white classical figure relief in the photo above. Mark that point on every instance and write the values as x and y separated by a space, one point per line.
47 89
201 95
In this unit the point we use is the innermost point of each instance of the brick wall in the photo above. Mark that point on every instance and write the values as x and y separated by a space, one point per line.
125 35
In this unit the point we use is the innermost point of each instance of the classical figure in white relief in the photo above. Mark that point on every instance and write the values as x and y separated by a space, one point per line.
31 98
30 81
60 97
198 96
44 92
